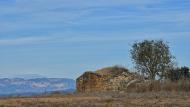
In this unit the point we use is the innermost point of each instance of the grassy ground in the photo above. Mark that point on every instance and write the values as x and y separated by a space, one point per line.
108 99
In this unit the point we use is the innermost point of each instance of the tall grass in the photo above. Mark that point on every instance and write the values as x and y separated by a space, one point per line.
182 85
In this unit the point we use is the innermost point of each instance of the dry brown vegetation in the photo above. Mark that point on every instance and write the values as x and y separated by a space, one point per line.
182 85
118 100
106 99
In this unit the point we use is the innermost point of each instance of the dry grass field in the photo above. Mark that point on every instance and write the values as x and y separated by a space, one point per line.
108 99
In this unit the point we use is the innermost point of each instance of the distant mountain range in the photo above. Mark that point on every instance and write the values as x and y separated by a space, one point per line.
20 86
29 76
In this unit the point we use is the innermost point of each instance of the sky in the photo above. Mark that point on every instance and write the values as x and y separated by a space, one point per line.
64 38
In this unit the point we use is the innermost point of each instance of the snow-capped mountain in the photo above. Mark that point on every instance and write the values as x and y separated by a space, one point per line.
38 85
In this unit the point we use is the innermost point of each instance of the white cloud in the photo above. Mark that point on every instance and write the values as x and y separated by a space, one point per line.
57 39
23 40
38 14
34 15
103 38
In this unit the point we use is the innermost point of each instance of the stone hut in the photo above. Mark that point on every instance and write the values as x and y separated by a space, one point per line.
106 79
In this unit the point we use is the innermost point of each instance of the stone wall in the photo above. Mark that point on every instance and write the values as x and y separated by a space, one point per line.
90 82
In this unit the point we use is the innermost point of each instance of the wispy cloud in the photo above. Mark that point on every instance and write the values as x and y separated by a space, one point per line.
84 38
58 39
24 40
24 14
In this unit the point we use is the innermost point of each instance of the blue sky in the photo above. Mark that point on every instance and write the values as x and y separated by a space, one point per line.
64 38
